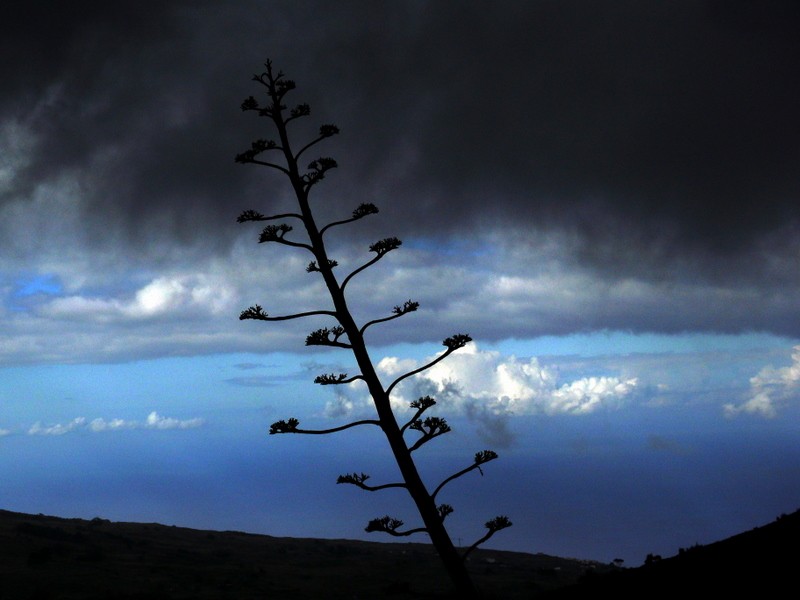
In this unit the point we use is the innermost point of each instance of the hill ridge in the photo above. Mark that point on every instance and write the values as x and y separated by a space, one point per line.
48 558
60 558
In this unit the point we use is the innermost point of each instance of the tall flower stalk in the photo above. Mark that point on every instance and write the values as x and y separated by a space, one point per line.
405 437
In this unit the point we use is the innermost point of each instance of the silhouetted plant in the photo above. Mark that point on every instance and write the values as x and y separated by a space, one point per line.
346 334
652 558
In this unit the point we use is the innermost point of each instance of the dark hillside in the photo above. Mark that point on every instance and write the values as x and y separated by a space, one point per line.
760 563
49 558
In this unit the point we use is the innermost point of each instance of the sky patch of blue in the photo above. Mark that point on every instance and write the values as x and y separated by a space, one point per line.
33 285
25 289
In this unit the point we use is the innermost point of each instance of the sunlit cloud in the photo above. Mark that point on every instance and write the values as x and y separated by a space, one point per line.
770 390
156 421
489 388
162 296
98 425
58 429
507 384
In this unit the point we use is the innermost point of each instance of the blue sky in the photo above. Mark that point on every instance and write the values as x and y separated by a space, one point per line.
604 197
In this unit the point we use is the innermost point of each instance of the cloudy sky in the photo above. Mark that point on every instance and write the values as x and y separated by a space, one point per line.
603 194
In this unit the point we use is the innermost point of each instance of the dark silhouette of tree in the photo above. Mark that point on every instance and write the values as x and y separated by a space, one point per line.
280 155
651 559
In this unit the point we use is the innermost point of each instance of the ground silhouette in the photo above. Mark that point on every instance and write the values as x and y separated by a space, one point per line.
760 563
51 558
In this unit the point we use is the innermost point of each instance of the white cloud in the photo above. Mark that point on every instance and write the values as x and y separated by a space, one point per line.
392 365
4 432
98 425
506 384
168 295
588 394
760 404
770 390
187 301
58 429
481 384
159 296
153 421
339 407
156 421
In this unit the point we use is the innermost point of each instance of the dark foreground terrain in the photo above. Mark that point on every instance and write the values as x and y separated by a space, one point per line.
43 558
46 558
762 564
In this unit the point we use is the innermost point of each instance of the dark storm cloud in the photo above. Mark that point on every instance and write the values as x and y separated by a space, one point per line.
673 121
43 41
667 132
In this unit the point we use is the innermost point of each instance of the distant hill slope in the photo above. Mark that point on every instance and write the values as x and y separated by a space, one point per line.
760 563
50 558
